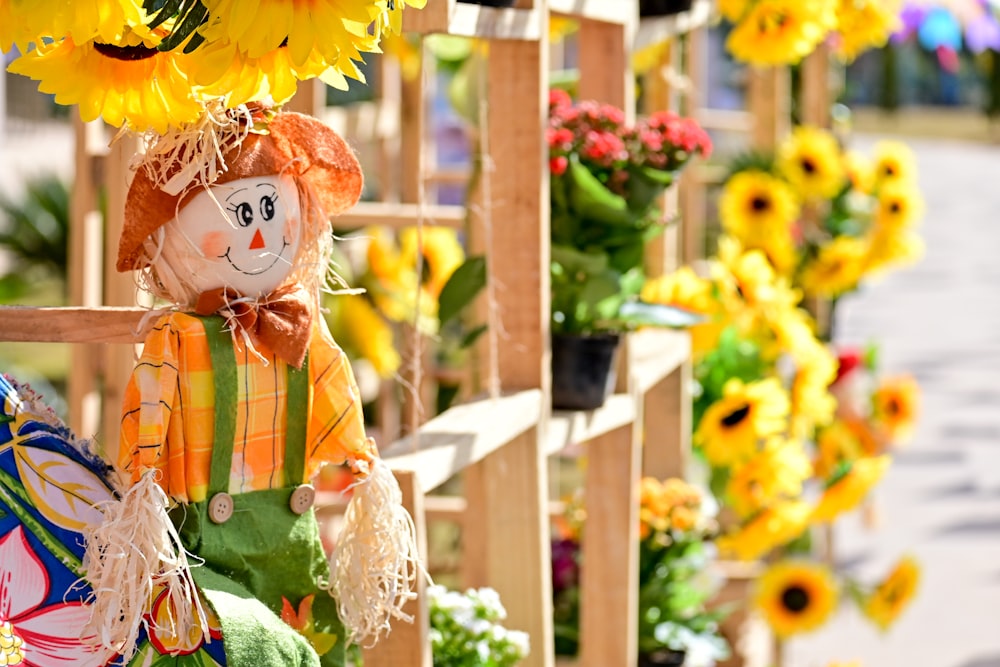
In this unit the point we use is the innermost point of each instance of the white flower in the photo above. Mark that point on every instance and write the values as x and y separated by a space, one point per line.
520 641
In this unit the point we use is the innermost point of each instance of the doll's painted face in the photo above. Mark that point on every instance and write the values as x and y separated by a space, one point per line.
246 238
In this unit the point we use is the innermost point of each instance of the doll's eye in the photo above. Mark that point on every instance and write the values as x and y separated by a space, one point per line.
267 206
244 214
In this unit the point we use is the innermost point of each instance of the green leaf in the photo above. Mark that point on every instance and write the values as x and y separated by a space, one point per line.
591 199
462 288
471 337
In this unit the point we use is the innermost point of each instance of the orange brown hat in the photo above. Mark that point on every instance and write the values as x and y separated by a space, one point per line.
293 143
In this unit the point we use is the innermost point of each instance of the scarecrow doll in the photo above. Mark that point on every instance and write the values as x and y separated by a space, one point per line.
239 397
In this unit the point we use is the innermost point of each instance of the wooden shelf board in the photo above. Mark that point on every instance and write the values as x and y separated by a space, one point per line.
401 215
657 29
570 427
595 10
106 324
469 20
656 353
463 435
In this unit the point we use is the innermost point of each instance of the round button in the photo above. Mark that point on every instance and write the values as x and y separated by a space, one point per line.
302 498
220 508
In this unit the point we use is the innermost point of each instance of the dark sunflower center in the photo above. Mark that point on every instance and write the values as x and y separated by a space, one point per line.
894 207
760 204
137 52
889 170
808 166
736 416
795 599
893 407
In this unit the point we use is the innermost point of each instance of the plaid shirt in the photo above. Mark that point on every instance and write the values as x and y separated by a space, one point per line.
168 420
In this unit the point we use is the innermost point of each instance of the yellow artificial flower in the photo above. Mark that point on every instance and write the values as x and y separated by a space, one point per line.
811 161
852 663
669 505
795 333
396 288
837 268
894 161
860 171
780 32
733 10
27 21
864 24
686 289
895 406
847 491
130 82
892 247
893 595
755 205
899 205
772 527
812 403
777 471
360 328
733 426
796 597
327 27
442 254
836 446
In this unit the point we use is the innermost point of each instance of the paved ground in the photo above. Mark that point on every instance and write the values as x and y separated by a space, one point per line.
939 320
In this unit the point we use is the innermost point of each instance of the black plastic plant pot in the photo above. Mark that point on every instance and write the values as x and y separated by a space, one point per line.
583 370
664 658
663 7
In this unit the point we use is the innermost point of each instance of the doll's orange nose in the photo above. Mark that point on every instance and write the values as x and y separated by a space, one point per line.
258 241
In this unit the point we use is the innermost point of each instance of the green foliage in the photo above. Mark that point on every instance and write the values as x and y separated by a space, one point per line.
466 630
462 288
35 233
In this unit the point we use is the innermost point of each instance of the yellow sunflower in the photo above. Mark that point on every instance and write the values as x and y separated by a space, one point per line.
899 205
860 171
892 247
733 426
327 27
811 161
733 10
442 254
836 446
851 487
894 161
796 597
129 82
777 471
780 32
756 205
26 21
812 403
893 595
895 406
772 527
686 289
864 24
837 267
395 286
358 327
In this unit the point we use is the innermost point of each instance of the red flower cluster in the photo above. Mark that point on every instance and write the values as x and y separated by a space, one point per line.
599 137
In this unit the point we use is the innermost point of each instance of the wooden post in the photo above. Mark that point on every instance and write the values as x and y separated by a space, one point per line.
508 533
397 649
667 425
769 92
119 290
605 56
693 201
815 92
309 98
609 606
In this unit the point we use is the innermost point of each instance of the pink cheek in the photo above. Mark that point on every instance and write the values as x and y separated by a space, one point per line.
215 244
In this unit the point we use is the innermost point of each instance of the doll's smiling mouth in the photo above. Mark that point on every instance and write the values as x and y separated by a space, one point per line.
256 272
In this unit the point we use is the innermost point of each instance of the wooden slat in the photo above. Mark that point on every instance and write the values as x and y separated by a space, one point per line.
618 12
666 424
470 20
408 644
399 215
609 585
657 29
605 57
769 97
72 325
574 427
653 354
815 99
463 435
729 120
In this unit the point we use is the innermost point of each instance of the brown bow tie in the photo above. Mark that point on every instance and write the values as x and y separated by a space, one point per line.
281 320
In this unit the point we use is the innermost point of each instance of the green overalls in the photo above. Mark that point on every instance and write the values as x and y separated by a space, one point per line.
264 551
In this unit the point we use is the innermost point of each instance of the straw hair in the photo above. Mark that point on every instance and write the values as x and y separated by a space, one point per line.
293 142
375 564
